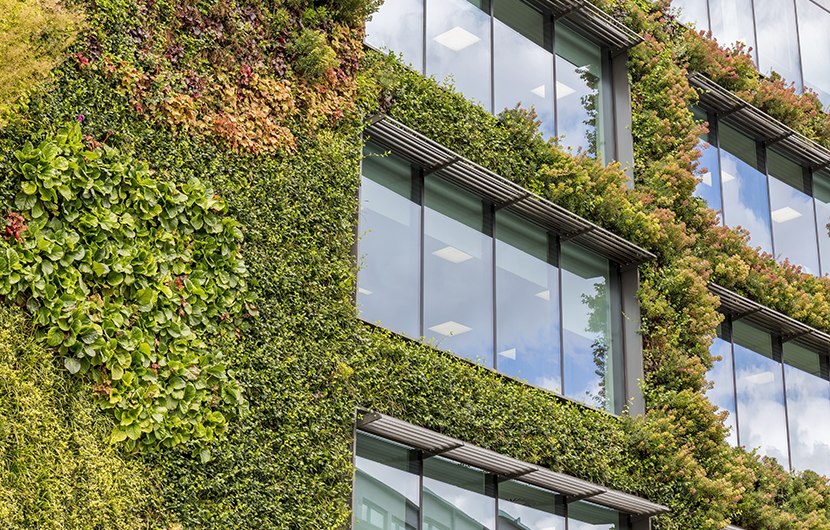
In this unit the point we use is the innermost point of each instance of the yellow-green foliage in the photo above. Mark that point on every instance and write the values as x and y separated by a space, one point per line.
33 36
56 470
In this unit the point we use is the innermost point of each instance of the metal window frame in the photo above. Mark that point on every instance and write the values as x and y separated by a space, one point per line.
505 468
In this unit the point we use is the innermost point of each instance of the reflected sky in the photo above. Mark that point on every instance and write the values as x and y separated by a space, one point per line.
808 405
523 74
389 278
398 26
523 507
761 415
778 39
793 225
821 191
745 201
722 394
732 22
454 497
813 22
693 11
458 44
708 188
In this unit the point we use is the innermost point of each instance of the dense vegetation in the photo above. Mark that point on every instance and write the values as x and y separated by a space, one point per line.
262 102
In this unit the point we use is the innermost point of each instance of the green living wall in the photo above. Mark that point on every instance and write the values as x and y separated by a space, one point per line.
251 112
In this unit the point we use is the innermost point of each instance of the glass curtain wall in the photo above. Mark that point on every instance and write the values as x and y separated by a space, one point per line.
777 395
792 36
440 264
388 495
505 54
784 206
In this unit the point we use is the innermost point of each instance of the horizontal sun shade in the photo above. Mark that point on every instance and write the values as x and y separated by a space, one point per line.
733 527
435 158
602 27
508 468
741 308
755 121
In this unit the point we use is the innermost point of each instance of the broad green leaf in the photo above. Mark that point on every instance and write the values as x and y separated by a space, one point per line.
118 435
72 364
55 336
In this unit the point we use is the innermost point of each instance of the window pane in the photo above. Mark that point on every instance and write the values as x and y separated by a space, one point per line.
586 317
386 493
821 191
732 22
808 407
523 507
778 39
745 201
760 385
813 22
587 516
455 497
524 67
693 11
527 294
398 26
722 394
390 244
578 100
458 43
458 274
708 188
793 221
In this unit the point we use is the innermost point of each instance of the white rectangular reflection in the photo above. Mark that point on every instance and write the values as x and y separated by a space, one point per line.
456 39
452 254
450 327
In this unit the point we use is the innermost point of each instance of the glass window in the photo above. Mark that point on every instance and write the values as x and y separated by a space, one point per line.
457 497
390 243
708 188
587 334
813 22
732 22
458 273
524 507
523 61
398 26
579 105
586 516
793 220
693 12
458 44
745 200
778 39
821 192
527 296
386 487
760 388
722 394
808 407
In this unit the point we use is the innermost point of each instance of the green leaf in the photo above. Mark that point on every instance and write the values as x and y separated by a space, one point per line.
29 188
55 337
204 455
72 364
24 202
89 336
118 435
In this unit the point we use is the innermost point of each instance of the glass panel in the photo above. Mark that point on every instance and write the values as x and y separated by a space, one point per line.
523 507
793 221
523 63
458 43
732 22
821 191
586 317
390 244
398 26
587 516
813 22
778 39
455 497
760 385
578 100
458 274
722 394
745 201
708 188
693 11
808 406
527 295
386 493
